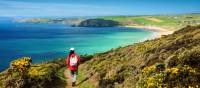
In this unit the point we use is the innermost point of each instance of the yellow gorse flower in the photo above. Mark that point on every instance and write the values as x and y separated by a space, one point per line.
148 70
21 64
190 87
150 78
174 70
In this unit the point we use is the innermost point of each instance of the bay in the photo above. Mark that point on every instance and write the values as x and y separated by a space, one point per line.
45 42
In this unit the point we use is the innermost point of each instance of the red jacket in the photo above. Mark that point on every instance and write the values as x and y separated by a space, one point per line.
72 68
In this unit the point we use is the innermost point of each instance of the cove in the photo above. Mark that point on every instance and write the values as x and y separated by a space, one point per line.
45 42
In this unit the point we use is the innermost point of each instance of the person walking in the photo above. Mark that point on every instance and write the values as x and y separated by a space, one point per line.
73 61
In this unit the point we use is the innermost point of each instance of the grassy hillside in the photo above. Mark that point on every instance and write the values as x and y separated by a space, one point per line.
170 22
169 61
98 23
165 21
23 74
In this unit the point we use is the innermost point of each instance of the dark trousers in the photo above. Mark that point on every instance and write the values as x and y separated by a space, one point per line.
73 75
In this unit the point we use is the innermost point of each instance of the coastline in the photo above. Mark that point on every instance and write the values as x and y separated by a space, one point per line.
158 31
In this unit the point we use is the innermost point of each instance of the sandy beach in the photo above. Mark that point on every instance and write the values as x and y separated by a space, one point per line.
158 31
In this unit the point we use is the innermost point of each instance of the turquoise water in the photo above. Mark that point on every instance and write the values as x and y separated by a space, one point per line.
43 42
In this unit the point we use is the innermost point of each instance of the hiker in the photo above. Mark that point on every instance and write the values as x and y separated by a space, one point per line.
73 61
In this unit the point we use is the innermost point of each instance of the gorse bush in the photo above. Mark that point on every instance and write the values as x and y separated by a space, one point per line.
21 64
39 72
191 57
23 74
179 77
16 75
148 70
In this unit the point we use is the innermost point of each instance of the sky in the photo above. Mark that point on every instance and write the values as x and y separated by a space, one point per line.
67 8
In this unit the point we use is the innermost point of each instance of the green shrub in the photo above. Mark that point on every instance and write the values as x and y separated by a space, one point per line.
23 74
184 76
21 64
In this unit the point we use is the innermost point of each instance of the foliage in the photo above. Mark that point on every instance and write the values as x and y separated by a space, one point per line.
122 67
42 71
23 74
184 76
21 64
148 70
15 76
98 23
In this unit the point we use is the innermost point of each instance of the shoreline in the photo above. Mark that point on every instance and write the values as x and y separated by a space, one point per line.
157 31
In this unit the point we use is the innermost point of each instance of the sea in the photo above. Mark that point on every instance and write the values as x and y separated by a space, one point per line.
43 42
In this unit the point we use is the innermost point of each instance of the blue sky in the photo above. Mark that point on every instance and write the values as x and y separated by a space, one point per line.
64 8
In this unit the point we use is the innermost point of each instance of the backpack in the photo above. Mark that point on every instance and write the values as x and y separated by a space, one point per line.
73 61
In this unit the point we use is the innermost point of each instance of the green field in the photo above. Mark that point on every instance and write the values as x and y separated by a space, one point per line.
165 21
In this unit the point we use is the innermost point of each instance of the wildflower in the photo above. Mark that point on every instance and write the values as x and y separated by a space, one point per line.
174 70
190 87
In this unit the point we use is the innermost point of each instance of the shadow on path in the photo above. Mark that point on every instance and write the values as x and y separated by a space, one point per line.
82 81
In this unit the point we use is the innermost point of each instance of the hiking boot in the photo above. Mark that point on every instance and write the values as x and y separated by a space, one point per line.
73 84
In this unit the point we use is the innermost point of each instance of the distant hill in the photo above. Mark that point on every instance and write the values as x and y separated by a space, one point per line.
170 22
170 61
98 23
68 21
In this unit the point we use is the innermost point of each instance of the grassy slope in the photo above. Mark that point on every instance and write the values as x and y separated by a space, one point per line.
25 75
122 67
130 66
44 75
165 21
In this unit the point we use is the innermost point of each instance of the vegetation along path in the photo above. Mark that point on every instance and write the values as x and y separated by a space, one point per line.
82 81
